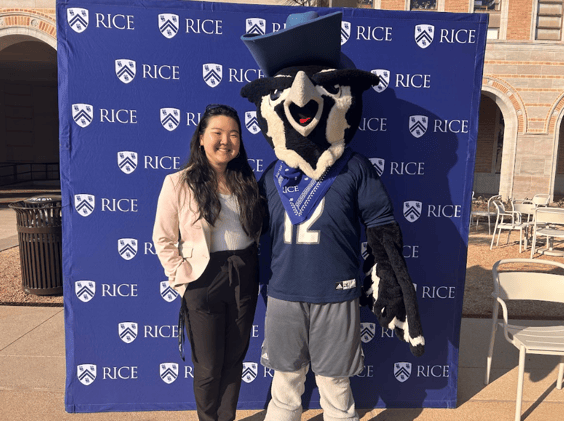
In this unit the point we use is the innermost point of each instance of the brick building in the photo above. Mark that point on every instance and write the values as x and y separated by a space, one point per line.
521 112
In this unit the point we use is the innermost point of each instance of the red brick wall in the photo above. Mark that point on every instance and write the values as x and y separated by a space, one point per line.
393 5
456 6
519 19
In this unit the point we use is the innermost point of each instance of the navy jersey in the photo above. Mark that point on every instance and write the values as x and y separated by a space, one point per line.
317 261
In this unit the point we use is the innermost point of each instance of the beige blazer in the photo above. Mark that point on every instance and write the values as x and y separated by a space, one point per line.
184 259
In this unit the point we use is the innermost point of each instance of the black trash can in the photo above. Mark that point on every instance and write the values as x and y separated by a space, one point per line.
40 238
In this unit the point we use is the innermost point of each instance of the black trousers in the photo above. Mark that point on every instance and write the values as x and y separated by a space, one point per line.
221 307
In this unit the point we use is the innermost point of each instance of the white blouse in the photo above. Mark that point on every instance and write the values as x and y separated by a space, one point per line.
228 234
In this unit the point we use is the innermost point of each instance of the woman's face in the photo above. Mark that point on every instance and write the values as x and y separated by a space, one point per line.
221 141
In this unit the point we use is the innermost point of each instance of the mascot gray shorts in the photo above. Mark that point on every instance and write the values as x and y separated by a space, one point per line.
327 336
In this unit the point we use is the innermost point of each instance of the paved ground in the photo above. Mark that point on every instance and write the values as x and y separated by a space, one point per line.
8 228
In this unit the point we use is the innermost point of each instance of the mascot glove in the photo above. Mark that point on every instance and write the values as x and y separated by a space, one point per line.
388 290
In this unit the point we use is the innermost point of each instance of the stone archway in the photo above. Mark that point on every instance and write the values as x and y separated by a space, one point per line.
28 78
555 127
27 23
515 122
489 146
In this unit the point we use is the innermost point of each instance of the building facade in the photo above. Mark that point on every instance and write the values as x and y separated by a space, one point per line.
520 149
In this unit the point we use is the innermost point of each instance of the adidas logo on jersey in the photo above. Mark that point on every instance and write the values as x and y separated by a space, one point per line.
342 285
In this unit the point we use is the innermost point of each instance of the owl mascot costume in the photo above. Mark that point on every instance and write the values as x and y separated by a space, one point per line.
319 193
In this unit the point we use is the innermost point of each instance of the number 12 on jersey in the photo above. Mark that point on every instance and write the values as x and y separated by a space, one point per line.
304 234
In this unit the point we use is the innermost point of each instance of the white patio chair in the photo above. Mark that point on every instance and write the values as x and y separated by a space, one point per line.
541 200
525 207
526 211
507 220
549 223
545 340
490 213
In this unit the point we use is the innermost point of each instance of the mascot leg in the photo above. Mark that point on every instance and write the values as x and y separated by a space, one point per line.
287 389
336 398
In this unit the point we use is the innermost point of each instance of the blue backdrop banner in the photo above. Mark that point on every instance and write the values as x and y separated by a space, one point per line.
133 81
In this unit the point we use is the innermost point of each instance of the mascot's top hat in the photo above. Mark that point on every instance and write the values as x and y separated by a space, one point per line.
307 39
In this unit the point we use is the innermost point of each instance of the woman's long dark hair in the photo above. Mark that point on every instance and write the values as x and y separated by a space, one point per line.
241 181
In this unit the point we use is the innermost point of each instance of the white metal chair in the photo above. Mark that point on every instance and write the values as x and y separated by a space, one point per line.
507 220
527 285
526 210
549 223
525 207
490 213
541 200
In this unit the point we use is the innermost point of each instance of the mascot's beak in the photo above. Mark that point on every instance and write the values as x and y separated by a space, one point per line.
303 105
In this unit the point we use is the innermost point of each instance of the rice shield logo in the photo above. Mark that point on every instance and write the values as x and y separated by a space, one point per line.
345 31
84 204
412 210
127 248
402 371
424 35
364 250
86 373
168 372
127 331
167 292
125 70
367 332
127 161
250 372
418 125
379 164
212 74
85 290
82 114
384 81
251 122
170 118
168 24
255 26
77 19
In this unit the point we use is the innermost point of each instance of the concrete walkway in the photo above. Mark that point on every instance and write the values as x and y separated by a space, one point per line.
8 228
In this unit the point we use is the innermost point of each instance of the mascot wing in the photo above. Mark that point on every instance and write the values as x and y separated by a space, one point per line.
388 289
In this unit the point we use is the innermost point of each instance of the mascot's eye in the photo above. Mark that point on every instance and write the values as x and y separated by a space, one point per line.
274 95
333 89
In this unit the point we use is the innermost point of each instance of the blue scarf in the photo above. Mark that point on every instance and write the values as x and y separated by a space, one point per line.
301 194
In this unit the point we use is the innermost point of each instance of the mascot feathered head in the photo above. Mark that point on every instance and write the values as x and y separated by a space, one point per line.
309 104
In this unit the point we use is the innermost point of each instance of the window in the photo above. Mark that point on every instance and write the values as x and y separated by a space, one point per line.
549 20
423 5
486 5
493 8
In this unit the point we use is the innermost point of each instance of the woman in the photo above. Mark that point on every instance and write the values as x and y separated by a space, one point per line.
209 218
